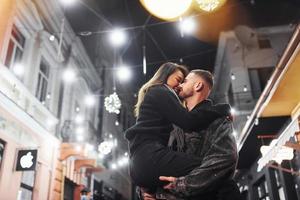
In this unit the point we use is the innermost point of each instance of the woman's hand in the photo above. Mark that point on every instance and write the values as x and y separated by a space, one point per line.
171 181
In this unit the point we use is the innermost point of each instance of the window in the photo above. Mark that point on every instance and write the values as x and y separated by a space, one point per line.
15 48
258 79
27 183
2 147
279 186
43 78
264 43
262 190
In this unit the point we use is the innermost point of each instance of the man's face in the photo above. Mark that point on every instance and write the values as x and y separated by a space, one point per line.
193 84
186 89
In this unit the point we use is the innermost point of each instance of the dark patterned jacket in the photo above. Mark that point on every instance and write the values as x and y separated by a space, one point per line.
216 147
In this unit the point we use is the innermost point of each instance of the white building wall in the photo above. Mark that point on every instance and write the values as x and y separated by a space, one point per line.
235 58
24 121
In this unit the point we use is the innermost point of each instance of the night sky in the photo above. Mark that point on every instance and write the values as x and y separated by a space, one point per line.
163 40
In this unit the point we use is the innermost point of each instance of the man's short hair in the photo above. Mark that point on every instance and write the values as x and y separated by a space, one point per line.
206 75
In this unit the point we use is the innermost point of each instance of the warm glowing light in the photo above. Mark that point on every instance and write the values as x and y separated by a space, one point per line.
18 69
52 38
187 26
79 130
123 73
234 133
69 75
233 111
232 76
80 138
78 148
79 119
105 147
113 166
67 2
210 5
117 37
167 9
90 100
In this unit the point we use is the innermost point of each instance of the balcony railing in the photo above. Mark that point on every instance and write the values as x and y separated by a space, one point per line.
13 89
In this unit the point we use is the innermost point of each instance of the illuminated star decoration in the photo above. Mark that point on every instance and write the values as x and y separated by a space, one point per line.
112 103
105 147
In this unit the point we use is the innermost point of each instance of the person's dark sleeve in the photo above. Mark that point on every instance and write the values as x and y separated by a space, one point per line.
169 106
217 165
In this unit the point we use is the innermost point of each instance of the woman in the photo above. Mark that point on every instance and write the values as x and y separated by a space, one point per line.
158 107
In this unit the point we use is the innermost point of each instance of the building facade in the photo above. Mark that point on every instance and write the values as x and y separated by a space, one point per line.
244 62
39 110
267 120
272 170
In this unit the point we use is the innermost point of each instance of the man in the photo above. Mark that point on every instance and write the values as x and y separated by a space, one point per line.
215 146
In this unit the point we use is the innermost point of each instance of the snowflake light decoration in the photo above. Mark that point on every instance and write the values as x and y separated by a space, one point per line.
105 147
112 103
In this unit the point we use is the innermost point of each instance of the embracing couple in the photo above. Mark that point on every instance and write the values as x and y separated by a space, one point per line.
182 146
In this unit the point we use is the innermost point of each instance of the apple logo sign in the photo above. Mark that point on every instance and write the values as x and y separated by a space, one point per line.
26 160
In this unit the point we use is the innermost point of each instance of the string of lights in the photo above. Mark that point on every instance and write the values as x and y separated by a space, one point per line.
129 28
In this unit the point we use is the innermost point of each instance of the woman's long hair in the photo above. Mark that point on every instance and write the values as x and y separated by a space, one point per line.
159 78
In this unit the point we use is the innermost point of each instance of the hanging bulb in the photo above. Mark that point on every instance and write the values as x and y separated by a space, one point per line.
232 76
144 61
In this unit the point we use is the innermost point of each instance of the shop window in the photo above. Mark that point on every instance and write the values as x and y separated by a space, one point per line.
15 48
27 184
43 79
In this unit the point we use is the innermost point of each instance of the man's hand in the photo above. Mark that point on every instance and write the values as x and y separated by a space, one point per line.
147 196
169 179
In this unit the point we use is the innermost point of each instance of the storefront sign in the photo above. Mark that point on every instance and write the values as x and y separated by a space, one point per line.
26 160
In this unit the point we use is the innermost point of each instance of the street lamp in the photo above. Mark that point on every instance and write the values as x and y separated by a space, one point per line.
69 75
123 73
167 9
89 100
117 37
18 69
187 26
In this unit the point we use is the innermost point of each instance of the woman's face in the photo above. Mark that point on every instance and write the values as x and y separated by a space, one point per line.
175 79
